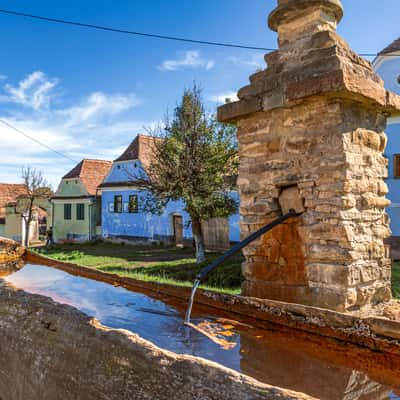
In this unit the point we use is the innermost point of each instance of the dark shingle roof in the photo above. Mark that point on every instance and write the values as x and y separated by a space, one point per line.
393 47
91 173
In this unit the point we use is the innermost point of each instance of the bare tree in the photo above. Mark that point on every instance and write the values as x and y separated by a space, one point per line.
37 189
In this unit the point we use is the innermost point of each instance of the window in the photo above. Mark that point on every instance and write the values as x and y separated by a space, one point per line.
80 212
396 166
118 204
67 211
133 204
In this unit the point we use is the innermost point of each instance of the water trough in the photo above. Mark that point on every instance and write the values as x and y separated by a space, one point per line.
54 348
313 341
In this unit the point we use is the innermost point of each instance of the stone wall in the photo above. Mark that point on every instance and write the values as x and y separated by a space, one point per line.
338 245
52 352
314 120
10 250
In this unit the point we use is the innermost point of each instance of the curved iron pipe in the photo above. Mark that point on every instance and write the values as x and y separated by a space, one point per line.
251 238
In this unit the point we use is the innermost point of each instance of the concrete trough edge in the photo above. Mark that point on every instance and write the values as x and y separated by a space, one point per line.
374 332
78 357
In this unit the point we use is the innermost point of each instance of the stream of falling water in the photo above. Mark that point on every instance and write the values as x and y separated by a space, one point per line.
191 300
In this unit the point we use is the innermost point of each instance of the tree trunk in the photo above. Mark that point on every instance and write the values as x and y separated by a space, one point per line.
27 229
28 220
199 240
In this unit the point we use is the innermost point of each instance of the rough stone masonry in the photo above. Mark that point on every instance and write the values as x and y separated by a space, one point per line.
10 250
313 123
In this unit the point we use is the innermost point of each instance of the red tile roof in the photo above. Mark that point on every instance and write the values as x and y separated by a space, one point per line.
393 47
9 193
91 173
141 149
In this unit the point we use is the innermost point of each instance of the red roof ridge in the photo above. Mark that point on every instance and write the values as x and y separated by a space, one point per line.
91 172
9 192
97 160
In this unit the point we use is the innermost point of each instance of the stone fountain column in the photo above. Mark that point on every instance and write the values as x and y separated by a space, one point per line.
10 250
311 130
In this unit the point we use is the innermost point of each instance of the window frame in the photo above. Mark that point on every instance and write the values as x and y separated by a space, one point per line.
80 211
118 200
134 210
67 214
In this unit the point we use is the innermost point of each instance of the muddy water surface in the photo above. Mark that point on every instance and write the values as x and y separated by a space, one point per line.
324 368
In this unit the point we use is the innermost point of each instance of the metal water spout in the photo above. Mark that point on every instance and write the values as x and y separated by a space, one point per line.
251 238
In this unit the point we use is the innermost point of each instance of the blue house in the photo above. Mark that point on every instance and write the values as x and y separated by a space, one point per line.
122 205
387 66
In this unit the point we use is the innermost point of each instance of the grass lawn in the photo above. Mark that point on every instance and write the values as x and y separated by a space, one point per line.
151 263
163 264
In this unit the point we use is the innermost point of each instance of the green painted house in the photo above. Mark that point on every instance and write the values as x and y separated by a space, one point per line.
76 208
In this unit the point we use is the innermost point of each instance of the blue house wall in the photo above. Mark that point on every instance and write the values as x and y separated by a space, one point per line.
388 68
141 224
144 224
393 147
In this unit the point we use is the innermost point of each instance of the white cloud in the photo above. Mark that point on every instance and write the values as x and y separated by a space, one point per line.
251 60
34 91
190 59
3 77
222 97
107 141
100 125
98 104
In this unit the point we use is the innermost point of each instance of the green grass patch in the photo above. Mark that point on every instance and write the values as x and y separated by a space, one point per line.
163 264
151 263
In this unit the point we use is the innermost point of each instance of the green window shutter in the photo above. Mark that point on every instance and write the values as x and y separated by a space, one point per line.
80 212
133 206
67 211
118 204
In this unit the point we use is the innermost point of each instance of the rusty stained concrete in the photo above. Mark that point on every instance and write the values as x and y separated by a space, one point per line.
51 351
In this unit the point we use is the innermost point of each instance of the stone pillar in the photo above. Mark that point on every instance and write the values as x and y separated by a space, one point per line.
10 250
313 122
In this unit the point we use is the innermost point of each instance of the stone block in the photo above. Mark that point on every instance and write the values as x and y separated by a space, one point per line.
290 199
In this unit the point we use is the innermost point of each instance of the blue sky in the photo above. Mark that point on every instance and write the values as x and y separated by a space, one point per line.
88 93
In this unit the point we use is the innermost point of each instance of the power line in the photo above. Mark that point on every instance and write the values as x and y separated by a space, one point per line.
37 141
155 35
118 30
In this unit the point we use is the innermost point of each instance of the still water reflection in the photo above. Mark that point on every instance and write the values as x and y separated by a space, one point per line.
286 359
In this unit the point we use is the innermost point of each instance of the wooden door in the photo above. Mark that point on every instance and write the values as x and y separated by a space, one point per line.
216 234
178 230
